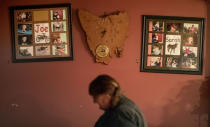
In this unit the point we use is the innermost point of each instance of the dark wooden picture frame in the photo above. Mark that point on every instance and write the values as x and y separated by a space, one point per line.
172 44
41 33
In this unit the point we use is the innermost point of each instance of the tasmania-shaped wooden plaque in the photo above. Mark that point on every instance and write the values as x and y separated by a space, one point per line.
105 34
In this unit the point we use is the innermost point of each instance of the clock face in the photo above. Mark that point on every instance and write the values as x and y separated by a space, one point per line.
102 51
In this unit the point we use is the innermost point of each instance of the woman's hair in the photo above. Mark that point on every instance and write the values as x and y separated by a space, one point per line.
105 84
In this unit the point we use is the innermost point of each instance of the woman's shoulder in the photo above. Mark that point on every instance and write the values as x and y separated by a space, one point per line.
126 107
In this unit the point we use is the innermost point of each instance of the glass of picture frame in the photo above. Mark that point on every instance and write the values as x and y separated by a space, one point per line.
172 44
41 33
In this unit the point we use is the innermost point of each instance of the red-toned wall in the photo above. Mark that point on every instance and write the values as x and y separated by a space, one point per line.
207 40
55 94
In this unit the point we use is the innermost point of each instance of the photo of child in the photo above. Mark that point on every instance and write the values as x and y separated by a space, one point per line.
191 28
155 38
58 26
155 49
24 39
156 26
153 61
190 39
24 16
190 63
190 52
58 14
173 27
172 62
60 49
58 38
25 28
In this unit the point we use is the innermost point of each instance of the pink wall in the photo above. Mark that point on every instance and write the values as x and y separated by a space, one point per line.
207 61
55 94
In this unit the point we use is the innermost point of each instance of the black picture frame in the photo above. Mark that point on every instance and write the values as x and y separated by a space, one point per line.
41 33
172 44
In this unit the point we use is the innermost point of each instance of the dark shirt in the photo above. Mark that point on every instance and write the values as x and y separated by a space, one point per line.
125 114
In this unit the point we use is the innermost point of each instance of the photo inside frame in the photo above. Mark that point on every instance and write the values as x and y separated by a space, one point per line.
172 44
41 34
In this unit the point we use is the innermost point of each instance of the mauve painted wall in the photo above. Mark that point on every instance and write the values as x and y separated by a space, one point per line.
55 94
207 60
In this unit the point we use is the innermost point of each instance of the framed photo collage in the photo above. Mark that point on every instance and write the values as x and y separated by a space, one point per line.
41 33
172 44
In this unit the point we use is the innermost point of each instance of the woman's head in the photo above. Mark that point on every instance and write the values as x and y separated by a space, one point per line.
105 91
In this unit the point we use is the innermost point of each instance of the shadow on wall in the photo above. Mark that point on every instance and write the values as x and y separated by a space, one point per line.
182 111
204 103
204 96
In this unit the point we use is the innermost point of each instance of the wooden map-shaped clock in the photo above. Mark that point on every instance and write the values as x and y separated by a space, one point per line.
105 34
